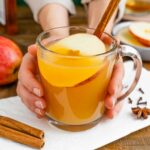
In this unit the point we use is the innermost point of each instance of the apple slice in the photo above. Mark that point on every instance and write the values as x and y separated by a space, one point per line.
82 44
103 67
141 30
69 71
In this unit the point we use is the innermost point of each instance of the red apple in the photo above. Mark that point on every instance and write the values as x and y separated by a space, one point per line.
141 31
10 59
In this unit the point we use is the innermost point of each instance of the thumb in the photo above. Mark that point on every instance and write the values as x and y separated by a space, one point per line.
118 39
32 49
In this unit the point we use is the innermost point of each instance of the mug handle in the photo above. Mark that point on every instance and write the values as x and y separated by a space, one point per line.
130 52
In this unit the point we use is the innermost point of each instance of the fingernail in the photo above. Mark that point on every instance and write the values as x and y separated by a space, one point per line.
31 46
113 102
37 92
38 111
39 104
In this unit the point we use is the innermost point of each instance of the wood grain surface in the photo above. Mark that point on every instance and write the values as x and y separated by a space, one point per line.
28 31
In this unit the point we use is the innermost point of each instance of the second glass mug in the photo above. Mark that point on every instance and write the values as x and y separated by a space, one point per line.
75 86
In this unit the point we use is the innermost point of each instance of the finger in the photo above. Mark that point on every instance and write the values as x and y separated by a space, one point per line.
40 116
30 98
120 87
32 49
39 113
110 101
116 79
27 77
106 39
117 39
34 103
110 113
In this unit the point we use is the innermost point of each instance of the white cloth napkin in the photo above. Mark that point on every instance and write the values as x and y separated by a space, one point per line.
105 132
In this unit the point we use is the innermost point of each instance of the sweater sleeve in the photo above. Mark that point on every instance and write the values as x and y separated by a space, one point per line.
37 5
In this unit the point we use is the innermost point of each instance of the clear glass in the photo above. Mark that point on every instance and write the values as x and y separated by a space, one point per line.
75 86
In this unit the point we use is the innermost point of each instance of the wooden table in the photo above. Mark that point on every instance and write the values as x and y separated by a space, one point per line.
139 140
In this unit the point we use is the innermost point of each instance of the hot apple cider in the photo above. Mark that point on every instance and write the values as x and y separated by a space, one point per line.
75 78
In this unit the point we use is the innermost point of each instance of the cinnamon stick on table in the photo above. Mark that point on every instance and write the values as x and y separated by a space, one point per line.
20 137
19 126
20 132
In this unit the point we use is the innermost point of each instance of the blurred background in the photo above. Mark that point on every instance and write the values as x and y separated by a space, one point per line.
27 29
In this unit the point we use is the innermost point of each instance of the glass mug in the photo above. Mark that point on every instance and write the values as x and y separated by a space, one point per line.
75 86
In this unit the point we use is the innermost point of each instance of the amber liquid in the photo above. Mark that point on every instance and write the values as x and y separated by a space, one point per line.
74 85
82 103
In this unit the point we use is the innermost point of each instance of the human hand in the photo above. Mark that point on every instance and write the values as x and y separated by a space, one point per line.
29 87
114 90
115 84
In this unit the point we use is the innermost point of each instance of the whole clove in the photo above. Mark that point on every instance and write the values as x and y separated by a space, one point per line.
139 100
140 90
142 103
130 100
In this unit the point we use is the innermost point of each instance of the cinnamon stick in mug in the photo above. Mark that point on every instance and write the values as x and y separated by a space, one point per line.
20 137
106 17
19 126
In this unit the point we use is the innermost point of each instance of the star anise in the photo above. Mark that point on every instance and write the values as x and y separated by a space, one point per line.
141 112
